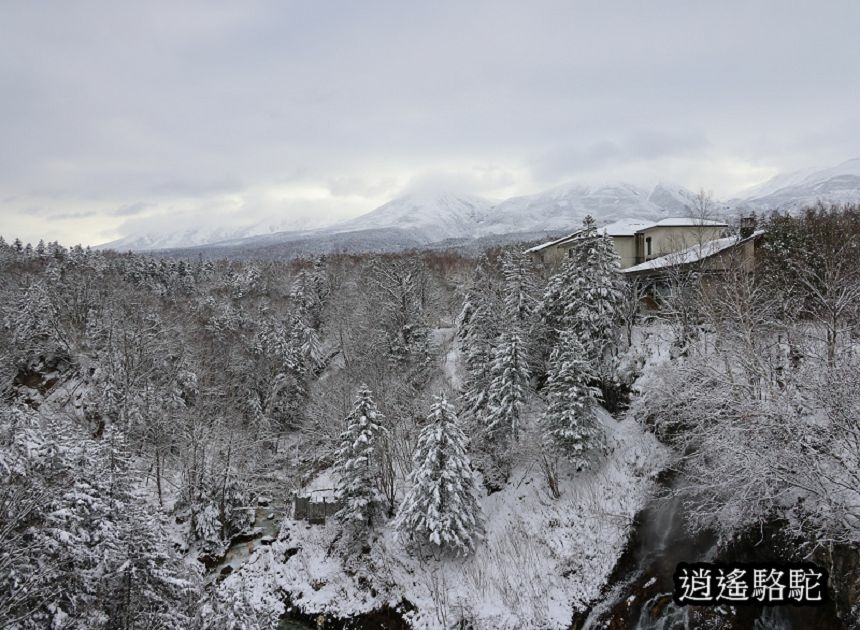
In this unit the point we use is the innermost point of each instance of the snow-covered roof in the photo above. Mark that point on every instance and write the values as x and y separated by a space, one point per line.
625 227
538 248
686 222
691 254
629 227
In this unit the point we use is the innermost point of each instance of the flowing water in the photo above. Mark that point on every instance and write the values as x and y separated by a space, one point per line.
640 590
264 530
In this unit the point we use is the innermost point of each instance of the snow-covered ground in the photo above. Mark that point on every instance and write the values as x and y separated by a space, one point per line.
541 560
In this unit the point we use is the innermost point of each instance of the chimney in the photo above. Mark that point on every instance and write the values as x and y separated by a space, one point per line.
748 225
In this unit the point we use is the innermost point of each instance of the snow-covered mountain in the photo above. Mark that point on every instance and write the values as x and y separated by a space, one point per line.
171 238
430 217
419 219
792 191
564 207
423 218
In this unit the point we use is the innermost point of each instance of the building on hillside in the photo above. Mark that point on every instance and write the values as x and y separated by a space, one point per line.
660 278
637 241
717 256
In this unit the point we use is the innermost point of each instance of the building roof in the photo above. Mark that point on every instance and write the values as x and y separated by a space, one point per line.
692 254
629 227
685 222
538 248
625 227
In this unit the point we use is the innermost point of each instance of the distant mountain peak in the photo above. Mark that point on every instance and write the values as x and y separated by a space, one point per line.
798 189
421 217
437 215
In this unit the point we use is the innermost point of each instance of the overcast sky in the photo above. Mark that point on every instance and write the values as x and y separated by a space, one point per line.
119 117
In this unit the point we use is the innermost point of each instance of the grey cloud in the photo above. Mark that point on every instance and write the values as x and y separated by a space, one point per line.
346 186
131 209
66 216
193 187
190 100
571 160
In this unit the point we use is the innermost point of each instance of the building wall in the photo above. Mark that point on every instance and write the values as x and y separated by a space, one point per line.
552 256
664 240
626 248
667 240
738 258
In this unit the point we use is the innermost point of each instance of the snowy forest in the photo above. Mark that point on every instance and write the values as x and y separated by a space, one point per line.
492 444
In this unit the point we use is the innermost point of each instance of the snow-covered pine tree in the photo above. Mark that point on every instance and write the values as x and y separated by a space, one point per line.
595 297
358 463
441 508
569 423
307 345
507 390
478 350
552 308
520 289
309 292
587 296
478 331
482 290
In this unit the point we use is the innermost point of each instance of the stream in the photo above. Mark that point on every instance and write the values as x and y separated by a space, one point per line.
264 530
641 592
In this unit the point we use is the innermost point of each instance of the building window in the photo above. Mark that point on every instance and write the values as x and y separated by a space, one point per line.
647 245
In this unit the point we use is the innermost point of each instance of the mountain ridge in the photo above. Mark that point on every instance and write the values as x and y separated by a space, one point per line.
422 218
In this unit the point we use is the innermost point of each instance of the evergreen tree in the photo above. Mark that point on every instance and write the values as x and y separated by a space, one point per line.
70 516
507 390
481 292
478 350
587 296
569 423
478 330
441 508
596 297
520 289
358 463
307 345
